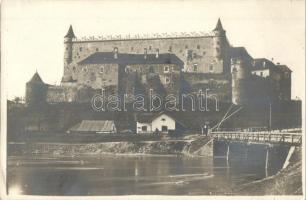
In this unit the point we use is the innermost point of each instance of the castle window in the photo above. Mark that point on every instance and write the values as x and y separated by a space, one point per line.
167 80
181 51
186 46
163 119
132 48
151 69
144 128
211 68
189 54
66 48
261 73
218 42
85 69
204 52
97 49
198 46
81 49
127 69
73 68
218 50
195 67
166 69
170 48
101 69
150 47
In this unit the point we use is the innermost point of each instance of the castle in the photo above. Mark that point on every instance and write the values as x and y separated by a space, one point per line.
169 64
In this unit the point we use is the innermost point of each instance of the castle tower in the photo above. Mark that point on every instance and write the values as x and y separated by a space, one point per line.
35 91
241 64
240 75
219 41
68 54
68 46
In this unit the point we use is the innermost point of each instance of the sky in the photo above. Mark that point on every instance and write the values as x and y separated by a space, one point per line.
32 31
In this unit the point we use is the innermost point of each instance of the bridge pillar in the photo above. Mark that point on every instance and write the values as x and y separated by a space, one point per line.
246 146
227 152
267 161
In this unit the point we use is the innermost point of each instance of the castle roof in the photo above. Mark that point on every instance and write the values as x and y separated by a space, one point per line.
284 68
123 58
70 33
36 79
239 52
219 26
263 63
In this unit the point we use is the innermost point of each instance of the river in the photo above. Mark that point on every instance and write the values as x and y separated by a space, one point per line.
133 175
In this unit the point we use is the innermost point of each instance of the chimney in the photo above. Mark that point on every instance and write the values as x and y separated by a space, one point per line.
157 53
116 52
145 53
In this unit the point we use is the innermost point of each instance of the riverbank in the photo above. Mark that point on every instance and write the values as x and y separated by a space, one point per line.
288 181
199 145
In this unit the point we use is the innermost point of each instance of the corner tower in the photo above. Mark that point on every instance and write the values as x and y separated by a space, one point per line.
219 41
35 91
68 46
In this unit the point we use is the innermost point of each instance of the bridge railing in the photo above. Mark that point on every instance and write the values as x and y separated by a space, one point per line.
263 137
258 129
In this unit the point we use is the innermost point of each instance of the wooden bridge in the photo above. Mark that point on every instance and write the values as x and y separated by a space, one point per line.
292 139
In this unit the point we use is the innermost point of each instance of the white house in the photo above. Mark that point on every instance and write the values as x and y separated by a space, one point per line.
160 122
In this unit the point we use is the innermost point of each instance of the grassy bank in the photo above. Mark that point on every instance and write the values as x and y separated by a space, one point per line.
286 182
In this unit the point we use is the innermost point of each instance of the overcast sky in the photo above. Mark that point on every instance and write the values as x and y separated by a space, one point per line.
32 31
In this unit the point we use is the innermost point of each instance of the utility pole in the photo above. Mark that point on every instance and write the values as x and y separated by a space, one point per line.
270 116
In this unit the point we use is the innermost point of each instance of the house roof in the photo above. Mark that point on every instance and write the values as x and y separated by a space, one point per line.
70 33
149 117
93 126
123 58
36 78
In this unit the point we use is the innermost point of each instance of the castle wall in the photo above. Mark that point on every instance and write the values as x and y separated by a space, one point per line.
217 84
169 75
78 94
57 94
198 51
96 75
